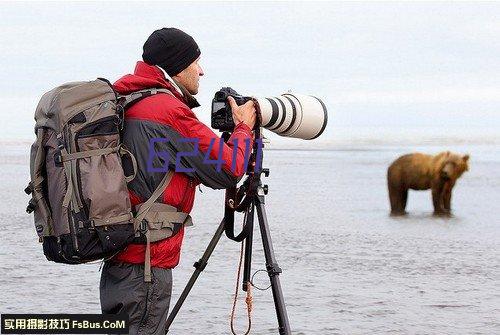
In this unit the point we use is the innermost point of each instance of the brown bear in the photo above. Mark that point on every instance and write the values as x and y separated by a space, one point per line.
422 172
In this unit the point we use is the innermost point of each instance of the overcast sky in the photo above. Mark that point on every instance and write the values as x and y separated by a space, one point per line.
397 66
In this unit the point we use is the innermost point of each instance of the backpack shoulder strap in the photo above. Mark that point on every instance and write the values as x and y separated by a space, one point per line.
126 101
132 98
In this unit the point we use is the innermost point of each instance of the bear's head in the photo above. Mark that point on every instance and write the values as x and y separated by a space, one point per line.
453 165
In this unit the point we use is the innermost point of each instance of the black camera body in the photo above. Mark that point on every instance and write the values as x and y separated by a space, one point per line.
222 116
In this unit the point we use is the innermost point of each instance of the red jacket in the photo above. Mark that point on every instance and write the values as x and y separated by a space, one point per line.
165 116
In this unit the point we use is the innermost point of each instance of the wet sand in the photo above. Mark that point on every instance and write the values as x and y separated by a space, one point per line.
348 267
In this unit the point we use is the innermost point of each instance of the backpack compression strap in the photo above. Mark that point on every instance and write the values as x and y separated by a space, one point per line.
38 200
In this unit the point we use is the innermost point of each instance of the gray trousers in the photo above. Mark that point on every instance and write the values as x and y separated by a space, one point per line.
123 290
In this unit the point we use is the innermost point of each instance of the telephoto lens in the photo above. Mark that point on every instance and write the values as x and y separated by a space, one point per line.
290 115
294 115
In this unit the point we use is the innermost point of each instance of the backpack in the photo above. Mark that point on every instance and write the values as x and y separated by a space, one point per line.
82 210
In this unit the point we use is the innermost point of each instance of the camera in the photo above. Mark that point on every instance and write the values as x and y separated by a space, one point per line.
222 117
289 115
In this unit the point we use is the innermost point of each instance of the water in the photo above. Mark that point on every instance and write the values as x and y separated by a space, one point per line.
348 268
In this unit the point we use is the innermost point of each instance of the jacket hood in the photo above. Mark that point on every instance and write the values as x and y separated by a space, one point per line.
149 76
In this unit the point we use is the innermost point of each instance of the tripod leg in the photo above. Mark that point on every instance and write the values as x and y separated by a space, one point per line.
248 246
200 266
272 267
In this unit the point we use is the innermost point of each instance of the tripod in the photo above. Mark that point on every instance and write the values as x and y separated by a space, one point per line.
247 198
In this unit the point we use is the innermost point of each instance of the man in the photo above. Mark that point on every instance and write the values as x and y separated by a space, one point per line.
171 61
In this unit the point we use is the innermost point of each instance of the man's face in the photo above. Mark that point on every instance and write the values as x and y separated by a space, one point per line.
190 77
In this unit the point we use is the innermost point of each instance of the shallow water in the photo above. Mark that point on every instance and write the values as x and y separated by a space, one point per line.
348 267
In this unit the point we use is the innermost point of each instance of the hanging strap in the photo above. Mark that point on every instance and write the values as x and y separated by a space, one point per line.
147 258
71 196
248 299
229 211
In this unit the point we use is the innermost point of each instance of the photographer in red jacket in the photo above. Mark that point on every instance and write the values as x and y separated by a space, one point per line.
170 62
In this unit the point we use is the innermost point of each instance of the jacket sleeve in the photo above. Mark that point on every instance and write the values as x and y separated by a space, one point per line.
194 149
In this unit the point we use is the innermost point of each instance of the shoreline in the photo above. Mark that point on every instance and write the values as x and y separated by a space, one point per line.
338 145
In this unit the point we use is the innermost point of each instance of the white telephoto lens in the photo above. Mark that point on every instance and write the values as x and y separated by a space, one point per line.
294 115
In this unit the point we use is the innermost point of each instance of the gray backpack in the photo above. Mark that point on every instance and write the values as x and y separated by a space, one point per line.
80 200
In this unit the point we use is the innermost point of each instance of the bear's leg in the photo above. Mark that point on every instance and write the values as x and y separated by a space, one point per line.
397 197
447 201
404 196
437 200
447 196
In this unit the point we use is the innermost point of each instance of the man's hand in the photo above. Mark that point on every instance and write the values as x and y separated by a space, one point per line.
245 113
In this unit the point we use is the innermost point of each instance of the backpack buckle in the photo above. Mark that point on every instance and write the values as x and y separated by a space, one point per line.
58 158
29 189
143 226
121 115
31 206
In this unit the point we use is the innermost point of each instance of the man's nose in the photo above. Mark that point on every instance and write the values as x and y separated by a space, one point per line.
200 71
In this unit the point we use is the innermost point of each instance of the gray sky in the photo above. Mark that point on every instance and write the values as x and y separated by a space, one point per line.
398 67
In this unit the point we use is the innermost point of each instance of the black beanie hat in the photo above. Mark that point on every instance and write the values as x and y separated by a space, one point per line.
171 49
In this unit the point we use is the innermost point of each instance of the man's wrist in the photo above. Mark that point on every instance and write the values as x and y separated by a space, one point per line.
243 126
